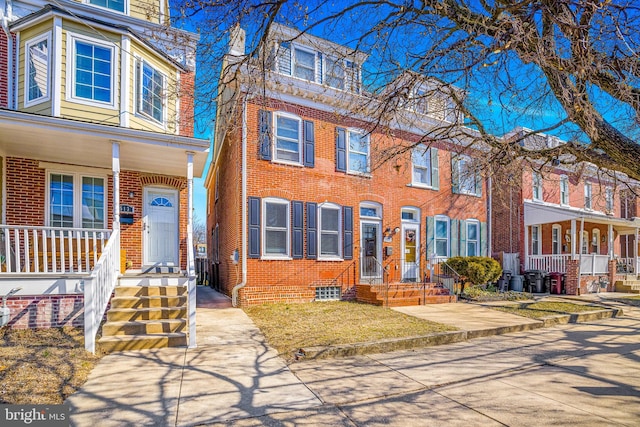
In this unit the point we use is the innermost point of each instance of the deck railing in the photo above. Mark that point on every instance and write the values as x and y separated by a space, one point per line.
549 263
591 264
98 288
50 250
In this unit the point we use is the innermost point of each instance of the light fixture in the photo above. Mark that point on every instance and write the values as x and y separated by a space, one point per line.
396 230
132 194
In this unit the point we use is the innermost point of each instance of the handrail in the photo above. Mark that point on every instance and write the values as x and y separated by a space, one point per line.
98 288
350 278
385 280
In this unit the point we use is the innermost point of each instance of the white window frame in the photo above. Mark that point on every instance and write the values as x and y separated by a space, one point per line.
77 195
287 254
556 239
72 38
125 11
340 64
371 205
274 154
464 179
338 232
586 243
424 151
296 47
595 237
442 218
588 196
349 151
536 187
420 102
564 190
413 211
139 67
27 69
473 223
608 200
536 240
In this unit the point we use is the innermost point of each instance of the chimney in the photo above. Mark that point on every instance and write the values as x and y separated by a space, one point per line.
237 41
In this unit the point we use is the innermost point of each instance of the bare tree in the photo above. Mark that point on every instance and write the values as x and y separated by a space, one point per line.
199 230
568 67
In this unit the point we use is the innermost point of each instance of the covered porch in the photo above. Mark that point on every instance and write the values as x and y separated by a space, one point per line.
559 238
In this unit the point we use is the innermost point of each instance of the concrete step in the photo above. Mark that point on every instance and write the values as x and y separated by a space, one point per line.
155 313
142 327
434 299
153 280
146 291
624 286
110 344
148 302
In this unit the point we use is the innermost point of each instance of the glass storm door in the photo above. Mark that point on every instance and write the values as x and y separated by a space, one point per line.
370 244
410 253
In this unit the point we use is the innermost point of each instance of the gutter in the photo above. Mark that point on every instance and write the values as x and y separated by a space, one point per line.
243 198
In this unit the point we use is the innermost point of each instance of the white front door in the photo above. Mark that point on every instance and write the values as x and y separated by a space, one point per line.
410 245
160 226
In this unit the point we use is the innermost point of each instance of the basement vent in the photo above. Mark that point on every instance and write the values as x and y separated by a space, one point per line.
327 293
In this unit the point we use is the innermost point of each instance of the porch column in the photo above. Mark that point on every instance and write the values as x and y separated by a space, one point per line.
580 248
610 239
115 165
190 254
573 239
526 247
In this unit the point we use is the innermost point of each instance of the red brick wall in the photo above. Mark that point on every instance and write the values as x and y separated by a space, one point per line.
5 79
26 202
295 280
186 103
46 311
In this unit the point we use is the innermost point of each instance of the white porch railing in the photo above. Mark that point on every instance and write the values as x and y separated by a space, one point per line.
591 264
549 263
50 250
98 288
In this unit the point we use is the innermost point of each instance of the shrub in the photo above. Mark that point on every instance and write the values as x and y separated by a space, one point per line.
475 269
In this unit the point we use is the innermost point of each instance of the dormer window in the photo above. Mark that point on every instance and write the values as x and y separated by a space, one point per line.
117 5
334 74
304 64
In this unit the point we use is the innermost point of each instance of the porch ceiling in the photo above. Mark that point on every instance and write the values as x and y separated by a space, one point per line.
541 213
68 141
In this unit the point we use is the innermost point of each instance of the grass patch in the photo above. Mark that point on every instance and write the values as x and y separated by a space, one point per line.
481 294
42 366
288 327
540 309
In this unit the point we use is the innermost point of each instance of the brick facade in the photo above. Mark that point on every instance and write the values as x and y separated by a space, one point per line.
388 184
46 311
187 90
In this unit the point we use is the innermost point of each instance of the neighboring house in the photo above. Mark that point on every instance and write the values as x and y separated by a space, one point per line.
97 154
564 218
300 206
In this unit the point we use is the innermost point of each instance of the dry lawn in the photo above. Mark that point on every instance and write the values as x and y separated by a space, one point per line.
546 308
288 327
42 366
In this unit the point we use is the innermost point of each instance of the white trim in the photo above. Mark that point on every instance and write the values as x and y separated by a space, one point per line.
589 186
126 10
263 231
145 214
56 75
306 49
437 218
560 242
564 179
478 240
72 38
334 207
139 64
46 36
274 143
178 103
378 224
370 205
537 183
415 225
350 171
125 81
462 175
74 168
538 240
595 237
426 151
14 82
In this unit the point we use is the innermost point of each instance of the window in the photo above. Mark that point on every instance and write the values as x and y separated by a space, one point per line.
473 238
564 190
358 157
595 241
585 242
442 236
37 60
276 228
424 163
608 200
371 211
76 201
334 72
464 176
330 236
304 64
410 214
537 186
150 91
117 5
288 138
556 242
587 195
421 103
536 240
92 76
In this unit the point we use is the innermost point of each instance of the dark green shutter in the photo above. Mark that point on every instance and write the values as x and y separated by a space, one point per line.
264 134
455 174
435 169
454 241
483 239
347 227
309 144
341 150
312 230
297 231
254 227
463 238
430 233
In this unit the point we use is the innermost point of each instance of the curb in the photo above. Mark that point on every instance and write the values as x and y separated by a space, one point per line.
396 344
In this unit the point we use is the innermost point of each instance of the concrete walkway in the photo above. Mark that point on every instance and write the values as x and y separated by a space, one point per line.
233 374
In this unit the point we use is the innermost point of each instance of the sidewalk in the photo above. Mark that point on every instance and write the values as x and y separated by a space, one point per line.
233 374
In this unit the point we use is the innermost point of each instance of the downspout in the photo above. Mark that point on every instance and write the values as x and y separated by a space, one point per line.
4 21
489 217
243 200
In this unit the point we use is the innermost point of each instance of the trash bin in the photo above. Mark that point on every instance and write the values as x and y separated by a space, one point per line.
503 285
535 281
515 284
557 282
